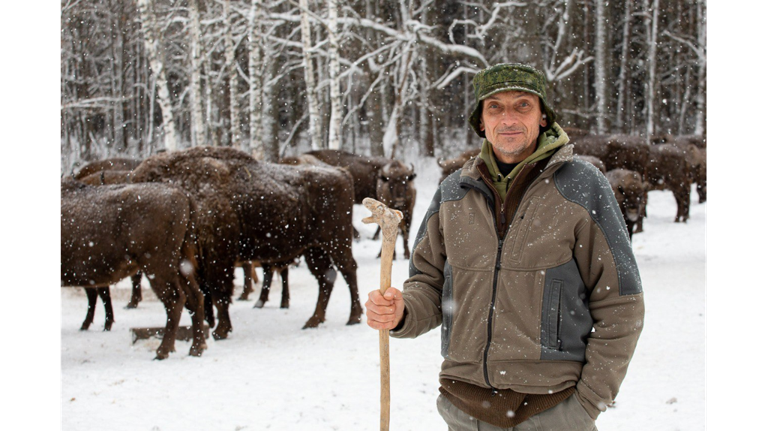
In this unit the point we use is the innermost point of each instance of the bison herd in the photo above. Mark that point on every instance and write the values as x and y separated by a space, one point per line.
634 167
186 219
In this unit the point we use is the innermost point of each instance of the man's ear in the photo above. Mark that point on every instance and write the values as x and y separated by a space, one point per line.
482 125
543 122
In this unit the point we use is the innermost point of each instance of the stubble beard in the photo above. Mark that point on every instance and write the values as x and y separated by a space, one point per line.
517 151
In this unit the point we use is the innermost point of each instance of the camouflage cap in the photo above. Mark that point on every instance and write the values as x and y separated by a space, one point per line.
508 77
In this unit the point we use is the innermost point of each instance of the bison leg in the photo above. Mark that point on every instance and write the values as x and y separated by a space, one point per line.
195 305
173 298
208 307
683 199
107 300
321 266
286 297
376 234
405 227
265 286
248 273
348 266
630 228
92 298
221 294
135 291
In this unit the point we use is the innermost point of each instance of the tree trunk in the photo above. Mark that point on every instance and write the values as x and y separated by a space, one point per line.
117 80
651 25
234 105
622 80
334 131
153 47
196 102
270 138
601 66
309 78
254 76
701 89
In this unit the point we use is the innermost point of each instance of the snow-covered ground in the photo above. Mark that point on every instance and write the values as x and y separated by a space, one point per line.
272 375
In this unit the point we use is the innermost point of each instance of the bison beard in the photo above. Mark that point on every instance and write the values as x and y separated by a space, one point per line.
261 211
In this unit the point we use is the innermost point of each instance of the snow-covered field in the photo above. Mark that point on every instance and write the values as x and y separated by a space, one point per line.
272 375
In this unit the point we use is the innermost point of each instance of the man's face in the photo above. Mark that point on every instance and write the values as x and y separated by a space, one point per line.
511 121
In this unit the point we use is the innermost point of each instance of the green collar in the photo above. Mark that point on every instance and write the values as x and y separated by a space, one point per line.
547 144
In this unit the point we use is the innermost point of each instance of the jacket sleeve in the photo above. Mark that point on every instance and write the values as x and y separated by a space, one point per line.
422 291
607 265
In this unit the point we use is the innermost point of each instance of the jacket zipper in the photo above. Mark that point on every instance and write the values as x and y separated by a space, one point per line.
496 271
497 268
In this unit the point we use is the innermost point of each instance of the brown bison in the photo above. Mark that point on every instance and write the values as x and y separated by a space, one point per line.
110 232
668 170
261 211
452 165
615 151
630 192
627 152
99 173
395 189
111 164
700 176
591 145
107 177
388 181
695 150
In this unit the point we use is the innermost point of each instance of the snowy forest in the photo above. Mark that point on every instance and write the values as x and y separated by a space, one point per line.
277 77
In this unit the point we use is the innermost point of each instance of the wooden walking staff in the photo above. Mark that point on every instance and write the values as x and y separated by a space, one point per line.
389 220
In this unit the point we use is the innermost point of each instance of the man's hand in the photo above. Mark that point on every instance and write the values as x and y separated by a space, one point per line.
385 312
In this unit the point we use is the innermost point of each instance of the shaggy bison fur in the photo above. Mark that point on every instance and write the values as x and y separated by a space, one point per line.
111 164
630 192
452 165
388 181
668 170
110 232
261 211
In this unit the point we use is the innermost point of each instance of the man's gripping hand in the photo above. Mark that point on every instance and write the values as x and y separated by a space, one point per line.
385 311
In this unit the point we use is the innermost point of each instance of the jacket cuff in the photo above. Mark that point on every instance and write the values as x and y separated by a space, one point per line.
585 396
403 327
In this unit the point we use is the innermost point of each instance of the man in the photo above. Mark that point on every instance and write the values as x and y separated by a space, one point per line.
524 259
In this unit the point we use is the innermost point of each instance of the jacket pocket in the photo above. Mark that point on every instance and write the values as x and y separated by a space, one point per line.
550 330
565 317
448 309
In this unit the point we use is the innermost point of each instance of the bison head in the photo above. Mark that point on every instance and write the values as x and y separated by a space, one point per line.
631 197
394 185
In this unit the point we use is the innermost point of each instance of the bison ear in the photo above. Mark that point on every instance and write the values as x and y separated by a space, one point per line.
411 177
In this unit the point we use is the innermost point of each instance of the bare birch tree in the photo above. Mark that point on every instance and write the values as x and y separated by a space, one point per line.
601 66
153 46
651 26
701 51
309 78
234 105
334 131
623 64
254 72
196 103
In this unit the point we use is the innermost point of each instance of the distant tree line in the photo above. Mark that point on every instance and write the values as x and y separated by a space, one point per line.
392 78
